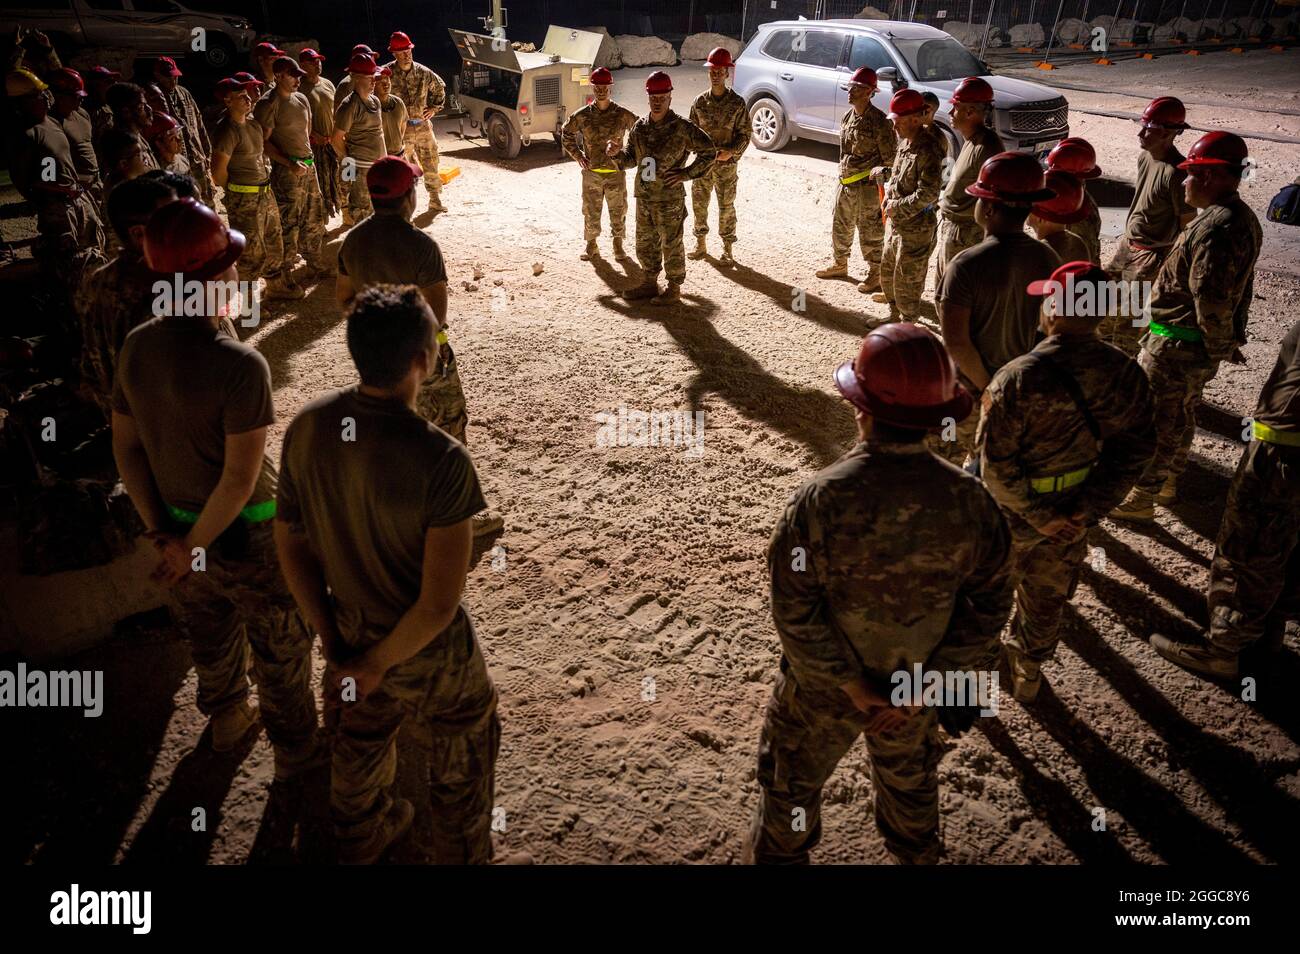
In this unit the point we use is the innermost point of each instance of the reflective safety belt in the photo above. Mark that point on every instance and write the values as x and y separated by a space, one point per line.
604 171
1050 485
856 177
1273 436
253 513
247 189
1169 331
441 337
305 160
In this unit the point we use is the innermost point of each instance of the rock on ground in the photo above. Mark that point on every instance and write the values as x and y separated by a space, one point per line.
870 13
971 34
608 55
1072 30
646 51
1027 34
698 46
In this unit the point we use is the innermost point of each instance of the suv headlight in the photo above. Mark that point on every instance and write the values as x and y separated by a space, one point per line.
236 23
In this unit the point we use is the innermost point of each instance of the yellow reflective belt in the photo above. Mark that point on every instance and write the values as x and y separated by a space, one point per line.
1272 436
604 170
1049 485
856 177
441 337
235 187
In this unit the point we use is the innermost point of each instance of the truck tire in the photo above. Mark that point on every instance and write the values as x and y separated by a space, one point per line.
220 53
770 128
502 138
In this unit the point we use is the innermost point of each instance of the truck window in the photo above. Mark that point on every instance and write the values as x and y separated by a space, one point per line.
819 49
868 52
778 45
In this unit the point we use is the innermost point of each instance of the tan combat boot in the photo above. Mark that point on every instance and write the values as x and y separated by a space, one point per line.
700 250
281 288
232 725
1168 493
486 523
1200 657
838 270
395 825
672 293
619 254
727 258
1026 676
648 288
590 252
870 284
880 298
1138 507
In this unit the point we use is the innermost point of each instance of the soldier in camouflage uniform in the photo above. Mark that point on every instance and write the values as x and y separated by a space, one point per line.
1255 576
286 115
890 558
320 93
191 407
972 105
1157 213
180 103
239 166
69 92
910 194
867 146
358 136
1065 432
117 297
1078 158
657 147
424 93
1198 311
722 114
380 579
585 135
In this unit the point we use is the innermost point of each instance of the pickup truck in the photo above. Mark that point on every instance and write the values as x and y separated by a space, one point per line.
150 27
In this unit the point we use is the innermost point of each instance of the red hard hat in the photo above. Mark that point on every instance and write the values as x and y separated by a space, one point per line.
601 77
399 41
1075 156
103 74
906 102
1216 148
1165 112
186 237
267 49
719 58
361 48
904 376
384 71
67 80
1067 275
363 64
307 53
973 90
166 66
162 124
1012 178
1067 206
391 177
864 76
658 82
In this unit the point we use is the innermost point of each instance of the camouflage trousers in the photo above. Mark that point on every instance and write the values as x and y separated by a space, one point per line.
1132 265
1255 574
1177 380
604 189
721 178
857 208
421 147
903 265
302 215
202 176
327 177
805 734
70 240
659 228
957 441
258 217
355 196
954 238
1045 574
448 704
441 400
239 604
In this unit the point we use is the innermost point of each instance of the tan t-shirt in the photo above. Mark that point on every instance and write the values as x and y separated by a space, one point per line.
1158 202
242 142
359 119
28 151
188 385
1067 246
321 96
954 203
394 122
991 280
77 127
385 247
287 120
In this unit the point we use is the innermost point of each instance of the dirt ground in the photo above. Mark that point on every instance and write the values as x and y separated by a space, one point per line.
623 565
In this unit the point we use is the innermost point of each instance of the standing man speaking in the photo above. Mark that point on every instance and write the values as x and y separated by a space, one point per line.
424 93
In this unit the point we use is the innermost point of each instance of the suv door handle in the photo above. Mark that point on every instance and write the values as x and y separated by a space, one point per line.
787 76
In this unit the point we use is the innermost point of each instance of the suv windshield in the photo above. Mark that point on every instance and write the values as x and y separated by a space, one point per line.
939 59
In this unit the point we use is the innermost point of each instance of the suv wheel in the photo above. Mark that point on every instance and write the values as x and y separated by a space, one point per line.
220 53
767 120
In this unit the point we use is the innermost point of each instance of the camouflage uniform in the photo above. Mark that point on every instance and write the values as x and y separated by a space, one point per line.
866 141
183 108
1033 429
906 563
297 197
725 119
321 96
1198 311
909 228
441 399
585 136
112 300
257 216
661 208
1255 575
101 118
1089 228
420 88
958 229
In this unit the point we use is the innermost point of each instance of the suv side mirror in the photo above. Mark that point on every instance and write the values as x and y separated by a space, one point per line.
890 75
